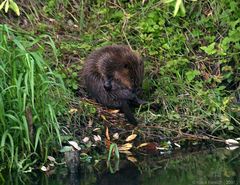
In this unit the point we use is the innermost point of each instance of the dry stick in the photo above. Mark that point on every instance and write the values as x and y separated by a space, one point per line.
188 136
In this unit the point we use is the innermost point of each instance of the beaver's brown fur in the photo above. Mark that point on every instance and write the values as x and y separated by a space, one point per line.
113 76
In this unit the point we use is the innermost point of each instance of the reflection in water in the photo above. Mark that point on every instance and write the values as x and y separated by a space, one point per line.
199 168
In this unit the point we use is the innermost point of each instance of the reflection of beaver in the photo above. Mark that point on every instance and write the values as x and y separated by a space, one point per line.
113 76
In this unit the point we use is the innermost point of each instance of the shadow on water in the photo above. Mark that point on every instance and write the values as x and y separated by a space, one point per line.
196 168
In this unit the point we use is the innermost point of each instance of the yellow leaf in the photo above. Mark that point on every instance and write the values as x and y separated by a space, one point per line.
131 137
125 147
113 111
142 145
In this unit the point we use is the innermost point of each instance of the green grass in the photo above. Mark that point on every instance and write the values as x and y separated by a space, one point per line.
31 99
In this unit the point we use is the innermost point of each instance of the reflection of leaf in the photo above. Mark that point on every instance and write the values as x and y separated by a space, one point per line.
210 50
131 137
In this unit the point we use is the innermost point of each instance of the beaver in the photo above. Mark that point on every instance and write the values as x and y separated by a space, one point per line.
113 76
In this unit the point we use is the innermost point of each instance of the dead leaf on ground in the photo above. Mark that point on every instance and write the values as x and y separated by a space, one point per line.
148 147
116 136
86 139
44 168
131 137
52 159
142 145
113 111
96 129
132 159
125 147
97 138
74 145
107 134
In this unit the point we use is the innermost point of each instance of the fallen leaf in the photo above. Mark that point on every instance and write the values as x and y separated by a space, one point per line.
52 159
149 147
125 147
96 129
142 145
232 147
132 159
74 145
44 168
113 111
131 137
231 142
86 139
116 136
97 138
107 134
178 145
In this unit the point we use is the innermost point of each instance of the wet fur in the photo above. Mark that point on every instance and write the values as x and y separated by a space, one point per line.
113 76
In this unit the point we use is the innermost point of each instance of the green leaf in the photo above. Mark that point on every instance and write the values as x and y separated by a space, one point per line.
192 74
2 4
14 7
177 6
210 50
6 6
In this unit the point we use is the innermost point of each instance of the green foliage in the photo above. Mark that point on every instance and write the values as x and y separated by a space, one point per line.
113 150
10 4
31 99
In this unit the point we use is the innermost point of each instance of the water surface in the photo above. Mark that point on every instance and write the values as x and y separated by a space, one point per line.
215 167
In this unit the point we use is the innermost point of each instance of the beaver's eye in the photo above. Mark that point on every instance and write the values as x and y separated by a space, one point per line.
125 66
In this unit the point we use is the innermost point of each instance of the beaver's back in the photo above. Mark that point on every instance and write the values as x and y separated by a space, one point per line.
110 59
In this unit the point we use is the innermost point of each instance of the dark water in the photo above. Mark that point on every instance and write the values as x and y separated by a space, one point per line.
217 167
